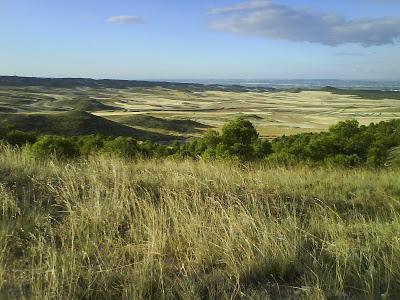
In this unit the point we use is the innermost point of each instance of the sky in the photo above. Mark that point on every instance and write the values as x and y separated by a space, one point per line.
205 39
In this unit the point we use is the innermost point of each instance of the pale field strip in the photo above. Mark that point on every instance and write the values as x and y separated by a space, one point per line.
273 113
276 113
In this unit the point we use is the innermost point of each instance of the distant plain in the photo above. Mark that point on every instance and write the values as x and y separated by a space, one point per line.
274 112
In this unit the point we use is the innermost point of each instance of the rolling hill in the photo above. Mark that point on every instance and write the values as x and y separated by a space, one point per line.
76 123
364 94
17 81
146 121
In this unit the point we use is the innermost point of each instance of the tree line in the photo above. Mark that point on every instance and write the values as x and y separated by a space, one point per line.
345 144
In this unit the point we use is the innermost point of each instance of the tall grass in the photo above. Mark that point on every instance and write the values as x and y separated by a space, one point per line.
161 229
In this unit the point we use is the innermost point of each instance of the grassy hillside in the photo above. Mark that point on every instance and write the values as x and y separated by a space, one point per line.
146 121
76 123
115 229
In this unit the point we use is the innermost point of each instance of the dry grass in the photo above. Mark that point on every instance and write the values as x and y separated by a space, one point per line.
107 228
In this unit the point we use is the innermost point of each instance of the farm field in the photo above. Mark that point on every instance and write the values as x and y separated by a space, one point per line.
274 113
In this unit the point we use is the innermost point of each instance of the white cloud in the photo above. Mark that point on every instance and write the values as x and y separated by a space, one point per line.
125 20
270 20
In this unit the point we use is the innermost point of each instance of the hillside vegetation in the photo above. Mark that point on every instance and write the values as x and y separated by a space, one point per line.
345 144
146 121
76 123
111 228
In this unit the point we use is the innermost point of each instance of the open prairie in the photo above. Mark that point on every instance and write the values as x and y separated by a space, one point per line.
110 228
273 112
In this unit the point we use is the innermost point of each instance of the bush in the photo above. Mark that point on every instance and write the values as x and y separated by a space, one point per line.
57 146
20 138
239 131
238 141
344 144
377 155
395 158
211 138
90 144
126 147
262 148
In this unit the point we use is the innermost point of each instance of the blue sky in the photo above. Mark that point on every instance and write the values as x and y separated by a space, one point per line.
219 39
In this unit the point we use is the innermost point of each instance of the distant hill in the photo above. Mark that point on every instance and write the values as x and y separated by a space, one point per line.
83 105
76 123
177 125
17 81
364 94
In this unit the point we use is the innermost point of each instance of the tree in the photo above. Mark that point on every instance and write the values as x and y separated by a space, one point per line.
239 131
377 155
211 138
345 129
239 141
90 144
58 146
122 146
20 138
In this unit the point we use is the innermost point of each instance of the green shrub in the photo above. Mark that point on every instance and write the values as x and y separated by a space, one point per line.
90 144
57 146
239 131
377 155
238 141
20 138
211 138
126 147
344 144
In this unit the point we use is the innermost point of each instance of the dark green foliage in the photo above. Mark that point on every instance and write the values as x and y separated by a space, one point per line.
345 144
394 157
58 146
239 131
211 138
122 146
262 148
239 141
149 149
377 155
20 138
90 144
